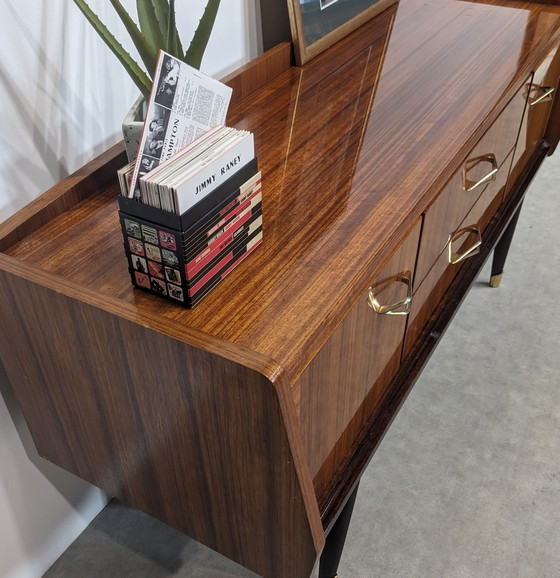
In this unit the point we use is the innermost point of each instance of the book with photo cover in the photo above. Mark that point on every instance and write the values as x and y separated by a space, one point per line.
191 203
184 104
182 257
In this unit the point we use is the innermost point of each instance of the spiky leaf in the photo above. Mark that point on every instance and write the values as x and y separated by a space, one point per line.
161 8
151 27
139 77
173 41
202 34
163 14
147 53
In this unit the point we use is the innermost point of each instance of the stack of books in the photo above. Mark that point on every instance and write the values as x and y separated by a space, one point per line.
182 257
189 217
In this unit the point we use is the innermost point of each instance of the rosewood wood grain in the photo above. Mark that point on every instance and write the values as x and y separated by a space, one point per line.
99 173
452 204
433 287
433 331
193 438
259 72
353 147
552 132
348 378
535 121
82 184
324 226
430 288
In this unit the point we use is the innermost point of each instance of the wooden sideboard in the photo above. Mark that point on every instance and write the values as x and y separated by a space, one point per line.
392 165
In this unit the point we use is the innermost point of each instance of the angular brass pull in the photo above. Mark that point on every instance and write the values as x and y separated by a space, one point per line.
455 258
399 308
469 185
543 94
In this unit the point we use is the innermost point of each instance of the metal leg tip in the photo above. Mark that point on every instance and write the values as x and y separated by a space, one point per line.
495 280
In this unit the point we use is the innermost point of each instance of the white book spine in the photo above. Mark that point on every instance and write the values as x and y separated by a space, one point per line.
215 173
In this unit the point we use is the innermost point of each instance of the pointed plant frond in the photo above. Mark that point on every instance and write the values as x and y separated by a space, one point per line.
165 14
157 29
139 77
153 29
147 53
202 34
173 41
161 8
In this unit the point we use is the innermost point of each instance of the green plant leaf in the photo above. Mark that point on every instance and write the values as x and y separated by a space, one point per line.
152 28
162 10
173 40
201 36
147 53
139 77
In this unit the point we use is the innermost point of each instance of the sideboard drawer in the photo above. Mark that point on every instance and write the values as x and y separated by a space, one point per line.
346 381
540 93
460 242
465 187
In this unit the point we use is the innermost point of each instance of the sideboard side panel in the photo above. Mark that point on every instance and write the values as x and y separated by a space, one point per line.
194 439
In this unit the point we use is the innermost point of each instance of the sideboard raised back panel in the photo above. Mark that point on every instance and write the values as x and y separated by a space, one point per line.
392 163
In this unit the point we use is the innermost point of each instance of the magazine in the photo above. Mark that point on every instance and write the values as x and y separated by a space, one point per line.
183 105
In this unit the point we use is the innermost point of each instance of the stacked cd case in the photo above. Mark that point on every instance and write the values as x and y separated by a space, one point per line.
183 257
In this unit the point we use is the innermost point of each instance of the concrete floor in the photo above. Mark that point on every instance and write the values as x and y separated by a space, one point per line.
467 481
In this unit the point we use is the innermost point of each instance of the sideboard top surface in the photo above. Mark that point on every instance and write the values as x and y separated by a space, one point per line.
352 148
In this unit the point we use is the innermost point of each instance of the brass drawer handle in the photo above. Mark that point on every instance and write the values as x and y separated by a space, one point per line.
469 185
399 308
455 258
543 94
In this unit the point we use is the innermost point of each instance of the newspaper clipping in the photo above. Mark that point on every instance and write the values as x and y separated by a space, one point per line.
184 104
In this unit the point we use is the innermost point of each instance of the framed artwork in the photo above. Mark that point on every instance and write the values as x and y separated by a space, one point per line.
317 24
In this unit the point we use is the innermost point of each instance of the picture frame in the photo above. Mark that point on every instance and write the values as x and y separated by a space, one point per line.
318 24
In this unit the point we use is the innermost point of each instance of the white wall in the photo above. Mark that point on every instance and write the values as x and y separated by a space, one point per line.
63 96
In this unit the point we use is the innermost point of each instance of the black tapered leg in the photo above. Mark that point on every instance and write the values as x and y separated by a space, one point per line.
334 544
501 250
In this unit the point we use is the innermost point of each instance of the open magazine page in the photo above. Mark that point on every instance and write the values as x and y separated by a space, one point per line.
184 104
